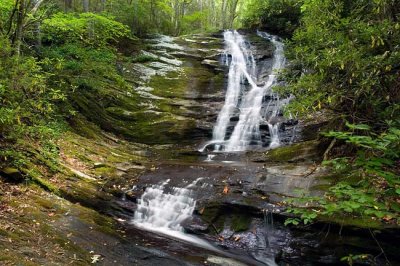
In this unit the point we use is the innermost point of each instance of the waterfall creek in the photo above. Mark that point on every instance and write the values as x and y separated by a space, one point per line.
169 179
217 187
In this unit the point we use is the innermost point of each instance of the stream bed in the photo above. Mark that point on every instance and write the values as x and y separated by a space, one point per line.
214 193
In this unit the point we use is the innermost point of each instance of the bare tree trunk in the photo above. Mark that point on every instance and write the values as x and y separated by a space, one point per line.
176 17
19 27
223 13
67 5
213 20
85 5
232 13
153 13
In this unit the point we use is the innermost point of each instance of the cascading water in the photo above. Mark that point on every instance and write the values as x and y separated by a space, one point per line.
247 101
163 212
239 65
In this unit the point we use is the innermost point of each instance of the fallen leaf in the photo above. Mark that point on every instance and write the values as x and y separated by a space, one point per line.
95 258
226 189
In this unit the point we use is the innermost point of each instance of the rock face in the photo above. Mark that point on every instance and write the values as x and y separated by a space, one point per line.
175 91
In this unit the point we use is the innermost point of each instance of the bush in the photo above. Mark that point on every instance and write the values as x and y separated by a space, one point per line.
346 57
89 28
279 17
28 108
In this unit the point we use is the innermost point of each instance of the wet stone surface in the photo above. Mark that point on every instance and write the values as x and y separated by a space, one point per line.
238 195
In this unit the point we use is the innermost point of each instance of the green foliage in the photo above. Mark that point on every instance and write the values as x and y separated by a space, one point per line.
28 107
277 16
376 191
6 7
78 66
36 93
366 259
345 57
23 93
143 58
193 22
143 16
341 201
89 28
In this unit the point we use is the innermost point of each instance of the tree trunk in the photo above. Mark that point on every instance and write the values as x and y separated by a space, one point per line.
19 27
223 13
67 5
85 5
153 13
232 13
38 34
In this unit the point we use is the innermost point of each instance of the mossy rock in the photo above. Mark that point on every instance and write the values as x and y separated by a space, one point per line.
304 151
240 222
83 127
222 215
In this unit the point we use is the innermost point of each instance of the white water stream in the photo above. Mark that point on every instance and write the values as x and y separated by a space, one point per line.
247 101
163 209
163 212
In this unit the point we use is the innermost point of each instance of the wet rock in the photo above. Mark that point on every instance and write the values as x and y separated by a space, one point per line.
131 196
234 119
303 151
195 226
264 127
224 261
291 122
277 119
186 55
210 63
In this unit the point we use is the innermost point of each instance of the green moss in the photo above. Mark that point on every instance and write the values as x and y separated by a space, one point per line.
35 176
240 222
105 171
45 203
3 232
308 150
213 216
361 222
144 59
83 127
5 257
321 187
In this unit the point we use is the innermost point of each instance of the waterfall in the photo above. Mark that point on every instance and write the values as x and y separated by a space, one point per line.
240 64
246 99
163 212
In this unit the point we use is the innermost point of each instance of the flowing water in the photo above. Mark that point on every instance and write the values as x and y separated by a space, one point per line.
228 188
163 211
246 99
163 208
